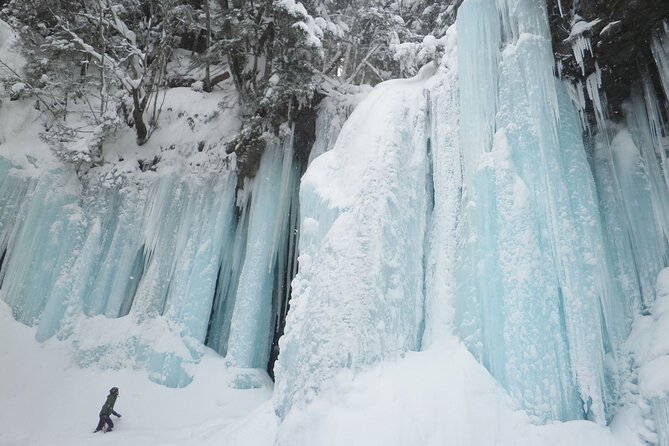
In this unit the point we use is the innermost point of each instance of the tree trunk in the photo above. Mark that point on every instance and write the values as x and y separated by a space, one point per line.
138 117
207 75
234 60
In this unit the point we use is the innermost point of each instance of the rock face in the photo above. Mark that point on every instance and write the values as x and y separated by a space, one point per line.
620 42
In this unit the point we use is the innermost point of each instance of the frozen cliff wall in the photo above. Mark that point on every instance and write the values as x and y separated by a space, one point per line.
167 259
359 295
463 201
538 301
533 247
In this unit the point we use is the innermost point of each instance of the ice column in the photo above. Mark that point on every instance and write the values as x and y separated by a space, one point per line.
358 295
536 299
442 239
48 226
102 274
148 246
13 191
232 259
183 252
268 208
479 39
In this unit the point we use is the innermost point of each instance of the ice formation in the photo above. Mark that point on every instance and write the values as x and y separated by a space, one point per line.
462 200
162 251
534 239
359 293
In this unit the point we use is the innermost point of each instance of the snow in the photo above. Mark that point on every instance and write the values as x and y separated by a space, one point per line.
362 300
12 60
332 113
306 23
197 86
610 27
50 400
647 414
425 397
464 278
582 26
654 382
439 396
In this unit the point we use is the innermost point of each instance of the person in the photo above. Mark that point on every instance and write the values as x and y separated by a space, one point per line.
108 410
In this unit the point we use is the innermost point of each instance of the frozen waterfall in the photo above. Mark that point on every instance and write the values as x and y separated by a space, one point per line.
175 254
527 241
468 202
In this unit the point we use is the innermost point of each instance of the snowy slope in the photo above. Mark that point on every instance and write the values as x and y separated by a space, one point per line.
440 396
47 399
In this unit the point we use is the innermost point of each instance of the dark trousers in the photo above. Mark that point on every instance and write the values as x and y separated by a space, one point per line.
105 419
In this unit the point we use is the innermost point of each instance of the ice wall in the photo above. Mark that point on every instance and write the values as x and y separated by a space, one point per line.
630 166
540 265
364 206
44 217
538 300
268 210
171 258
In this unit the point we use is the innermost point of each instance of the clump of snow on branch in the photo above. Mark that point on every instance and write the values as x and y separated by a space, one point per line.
413 55
305 23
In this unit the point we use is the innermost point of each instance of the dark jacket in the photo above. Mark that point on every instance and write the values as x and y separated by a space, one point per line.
108 407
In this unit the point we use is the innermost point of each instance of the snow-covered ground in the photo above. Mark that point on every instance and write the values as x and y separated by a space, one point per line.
46 399
437 397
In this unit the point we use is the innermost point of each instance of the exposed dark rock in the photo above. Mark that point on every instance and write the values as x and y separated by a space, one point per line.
305 129
620 42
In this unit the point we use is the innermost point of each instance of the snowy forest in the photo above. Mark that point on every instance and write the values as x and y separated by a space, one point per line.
329 222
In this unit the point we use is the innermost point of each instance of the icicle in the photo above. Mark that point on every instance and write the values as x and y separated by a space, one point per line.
660 49
479 38
577 97
250 335
593 84
657 127
579 45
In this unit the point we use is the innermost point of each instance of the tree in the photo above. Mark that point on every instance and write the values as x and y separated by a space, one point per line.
120 45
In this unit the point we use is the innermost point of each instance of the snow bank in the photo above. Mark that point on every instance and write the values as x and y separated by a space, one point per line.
436 397
50 400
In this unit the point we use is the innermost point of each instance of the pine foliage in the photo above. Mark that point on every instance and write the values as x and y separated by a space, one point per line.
282 56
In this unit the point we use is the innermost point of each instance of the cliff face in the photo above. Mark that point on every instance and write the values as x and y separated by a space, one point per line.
620 33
